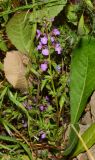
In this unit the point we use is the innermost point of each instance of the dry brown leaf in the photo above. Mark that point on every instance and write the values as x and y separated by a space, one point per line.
15 70
92 104
25 59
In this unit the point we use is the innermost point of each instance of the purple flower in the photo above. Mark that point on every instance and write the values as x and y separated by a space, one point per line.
42 108
47 98
39 47
34 99
25 103
56 32
44 66
29 107
58 68
44 40
45 52
58 48
43 136
52 39
24 123
38 33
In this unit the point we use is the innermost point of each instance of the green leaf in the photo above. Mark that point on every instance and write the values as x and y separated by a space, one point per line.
82 76
3 45
1 66
27 149
82 82
81 30
61 101
73 139
89 4
21 107
2 96
4 147
13 140
24 157
49 10
53 8
33 71
7 128
43 84
71 14
19 31
9 139
17 103
89 139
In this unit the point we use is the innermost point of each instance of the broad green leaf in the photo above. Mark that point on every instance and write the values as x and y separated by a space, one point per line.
50 10
82 82
89 139
19 31
53 8
82 76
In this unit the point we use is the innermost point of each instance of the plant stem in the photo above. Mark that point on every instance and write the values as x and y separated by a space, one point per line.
53 87
83 143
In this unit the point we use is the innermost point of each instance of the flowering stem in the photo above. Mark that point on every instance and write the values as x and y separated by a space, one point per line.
53 87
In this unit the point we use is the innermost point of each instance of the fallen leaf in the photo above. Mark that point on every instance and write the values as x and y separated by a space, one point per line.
92 104
86 119
15 70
